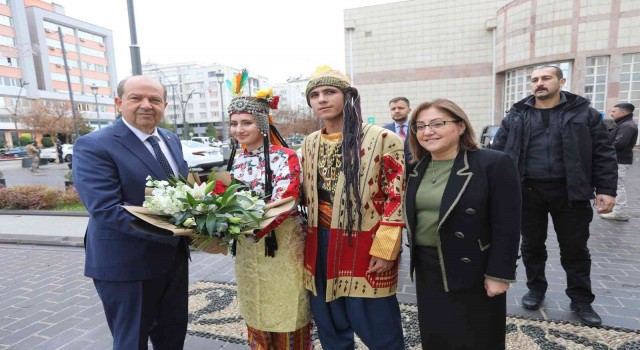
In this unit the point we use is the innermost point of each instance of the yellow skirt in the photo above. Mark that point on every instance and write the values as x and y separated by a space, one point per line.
271 292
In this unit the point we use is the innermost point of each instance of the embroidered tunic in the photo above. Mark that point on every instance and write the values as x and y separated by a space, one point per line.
382 187
271 294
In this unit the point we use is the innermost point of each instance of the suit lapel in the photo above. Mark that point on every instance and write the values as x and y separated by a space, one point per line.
132 143
457 184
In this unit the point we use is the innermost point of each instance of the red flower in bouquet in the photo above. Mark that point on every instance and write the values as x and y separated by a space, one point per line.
220 188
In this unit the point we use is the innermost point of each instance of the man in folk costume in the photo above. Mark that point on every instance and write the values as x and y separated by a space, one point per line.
353 180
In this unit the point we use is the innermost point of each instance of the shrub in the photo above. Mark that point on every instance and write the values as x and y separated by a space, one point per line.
35 197
46 142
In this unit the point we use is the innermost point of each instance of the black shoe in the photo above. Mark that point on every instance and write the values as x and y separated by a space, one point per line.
532 300
586 313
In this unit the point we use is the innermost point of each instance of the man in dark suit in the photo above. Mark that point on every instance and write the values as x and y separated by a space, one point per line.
141 279
400 110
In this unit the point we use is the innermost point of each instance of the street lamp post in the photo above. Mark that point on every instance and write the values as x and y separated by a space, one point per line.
94 89
15 111
66 70
225 129
184 103
173 93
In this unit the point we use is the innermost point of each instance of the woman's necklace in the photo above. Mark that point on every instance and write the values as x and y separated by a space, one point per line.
442 165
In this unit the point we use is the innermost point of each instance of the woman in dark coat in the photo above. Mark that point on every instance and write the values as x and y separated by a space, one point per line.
462 210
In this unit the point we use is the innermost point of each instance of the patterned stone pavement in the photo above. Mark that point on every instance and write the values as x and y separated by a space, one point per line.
46 302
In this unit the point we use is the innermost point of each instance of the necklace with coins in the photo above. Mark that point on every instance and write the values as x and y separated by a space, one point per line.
438 168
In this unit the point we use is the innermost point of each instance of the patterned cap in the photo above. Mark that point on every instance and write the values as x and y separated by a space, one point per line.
258 106
326 76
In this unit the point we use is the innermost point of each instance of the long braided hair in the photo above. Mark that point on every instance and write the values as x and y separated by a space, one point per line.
351 146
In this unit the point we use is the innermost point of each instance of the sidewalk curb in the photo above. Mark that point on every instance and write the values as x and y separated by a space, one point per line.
43 212
42 240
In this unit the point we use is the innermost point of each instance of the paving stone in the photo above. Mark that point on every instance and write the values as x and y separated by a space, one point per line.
31 342
28 320
60 327
22 334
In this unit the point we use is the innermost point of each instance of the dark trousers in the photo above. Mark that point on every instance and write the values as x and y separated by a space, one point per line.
156 308
376 321
571 221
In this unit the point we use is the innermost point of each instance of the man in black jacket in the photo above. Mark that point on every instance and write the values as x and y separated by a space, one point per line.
623 136
562 152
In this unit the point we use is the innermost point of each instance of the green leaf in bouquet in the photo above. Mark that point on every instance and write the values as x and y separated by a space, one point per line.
230 192
241 210
192 201
211 224
221 226
235 230
209 188
201 221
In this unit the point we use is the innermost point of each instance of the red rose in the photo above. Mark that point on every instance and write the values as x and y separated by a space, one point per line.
220 188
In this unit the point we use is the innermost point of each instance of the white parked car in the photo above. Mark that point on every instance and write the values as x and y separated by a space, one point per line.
51 154
199 155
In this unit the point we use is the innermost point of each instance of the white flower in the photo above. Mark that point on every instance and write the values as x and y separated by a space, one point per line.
198 190
189 222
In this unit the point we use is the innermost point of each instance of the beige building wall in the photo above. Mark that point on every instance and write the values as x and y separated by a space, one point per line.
424 49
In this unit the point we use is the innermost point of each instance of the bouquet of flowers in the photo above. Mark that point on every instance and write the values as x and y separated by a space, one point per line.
212 214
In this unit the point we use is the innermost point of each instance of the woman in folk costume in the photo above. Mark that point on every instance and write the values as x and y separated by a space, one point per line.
269 263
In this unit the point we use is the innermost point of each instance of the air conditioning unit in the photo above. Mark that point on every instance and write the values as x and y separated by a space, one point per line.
52 48
101 44
58 65
82 39
47 30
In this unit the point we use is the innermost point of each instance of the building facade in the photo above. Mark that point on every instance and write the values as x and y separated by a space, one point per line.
480 54
292 96
198 96
32 67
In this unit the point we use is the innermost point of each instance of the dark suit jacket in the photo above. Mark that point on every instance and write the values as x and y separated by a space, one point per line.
407 152
109 170
479 224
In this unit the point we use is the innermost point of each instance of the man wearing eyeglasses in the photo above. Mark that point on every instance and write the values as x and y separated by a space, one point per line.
564 156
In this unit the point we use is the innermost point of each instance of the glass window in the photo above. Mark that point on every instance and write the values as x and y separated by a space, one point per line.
59 61
5 20
97 82
7 81
9 61
7 41
517 82
89 36
4 2
51 27
62 77
595 81
91 52
630 80
56 44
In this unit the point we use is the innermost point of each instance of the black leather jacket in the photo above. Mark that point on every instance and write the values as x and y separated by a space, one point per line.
589 158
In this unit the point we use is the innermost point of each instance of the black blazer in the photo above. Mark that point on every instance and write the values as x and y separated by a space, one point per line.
479 225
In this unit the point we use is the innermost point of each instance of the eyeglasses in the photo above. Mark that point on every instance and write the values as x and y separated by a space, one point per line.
434 125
